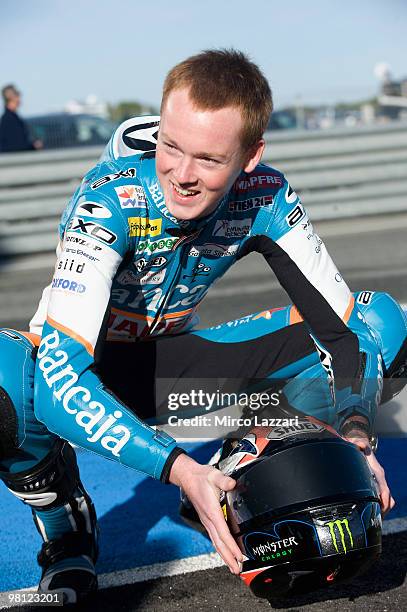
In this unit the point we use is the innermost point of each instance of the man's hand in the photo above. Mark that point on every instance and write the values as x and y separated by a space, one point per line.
203 484
361 440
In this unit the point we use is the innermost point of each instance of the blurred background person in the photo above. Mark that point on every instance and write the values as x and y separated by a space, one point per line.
13 131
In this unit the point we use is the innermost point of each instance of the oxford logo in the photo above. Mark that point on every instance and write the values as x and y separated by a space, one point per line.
340 526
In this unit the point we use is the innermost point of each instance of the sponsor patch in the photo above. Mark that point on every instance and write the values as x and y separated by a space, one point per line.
365 297
143 226
81 253
93 229
214 250
256 202
128 277
82 242
152 277
66 263
144 264
156 193
68 285
258 181
290 195
235 228
295 215
199 270
91 416
141 137
341 534
129 173
93 209
259 544
131 196
156 246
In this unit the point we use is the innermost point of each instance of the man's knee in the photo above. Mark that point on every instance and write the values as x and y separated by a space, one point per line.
17 361
8 426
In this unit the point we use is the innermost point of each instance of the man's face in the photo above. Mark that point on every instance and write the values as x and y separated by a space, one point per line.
199 155
13 100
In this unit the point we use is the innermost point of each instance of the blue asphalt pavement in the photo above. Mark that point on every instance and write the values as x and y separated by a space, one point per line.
139 517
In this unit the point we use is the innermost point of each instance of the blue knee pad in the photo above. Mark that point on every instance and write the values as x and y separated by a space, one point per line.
24 441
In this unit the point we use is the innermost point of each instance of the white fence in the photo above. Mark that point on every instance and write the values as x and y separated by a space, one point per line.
339 173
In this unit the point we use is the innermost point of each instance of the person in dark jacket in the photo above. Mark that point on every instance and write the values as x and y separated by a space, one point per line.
13 131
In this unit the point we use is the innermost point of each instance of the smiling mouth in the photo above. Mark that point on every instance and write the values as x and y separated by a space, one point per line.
184 193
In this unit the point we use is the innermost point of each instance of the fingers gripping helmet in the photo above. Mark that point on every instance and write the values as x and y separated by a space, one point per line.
305 511
388 324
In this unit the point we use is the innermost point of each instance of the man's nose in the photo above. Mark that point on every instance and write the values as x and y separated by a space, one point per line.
184 171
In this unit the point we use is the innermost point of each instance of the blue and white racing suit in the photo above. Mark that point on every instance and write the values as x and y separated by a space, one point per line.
130 273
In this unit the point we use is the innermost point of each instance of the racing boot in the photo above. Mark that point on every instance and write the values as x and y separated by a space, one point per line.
66 520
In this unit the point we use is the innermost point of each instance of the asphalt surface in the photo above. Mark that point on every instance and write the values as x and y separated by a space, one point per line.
382 589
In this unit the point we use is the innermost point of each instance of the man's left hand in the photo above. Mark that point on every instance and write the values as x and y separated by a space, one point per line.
361 440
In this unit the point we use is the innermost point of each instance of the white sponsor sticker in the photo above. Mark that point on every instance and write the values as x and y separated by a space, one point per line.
214 250
153 278
290 195
93 209
143 263
235 228
127 277
131 196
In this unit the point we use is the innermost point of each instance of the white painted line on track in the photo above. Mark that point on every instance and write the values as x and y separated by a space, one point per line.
182 566
199 563
394 525
160 570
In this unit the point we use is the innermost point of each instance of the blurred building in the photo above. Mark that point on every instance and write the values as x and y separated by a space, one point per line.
91 106
392 99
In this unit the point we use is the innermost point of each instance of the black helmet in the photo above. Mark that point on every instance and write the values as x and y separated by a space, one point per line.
305 511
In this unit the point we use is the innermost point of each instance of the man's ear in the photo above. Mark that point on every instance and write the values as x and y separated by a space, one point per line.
253 155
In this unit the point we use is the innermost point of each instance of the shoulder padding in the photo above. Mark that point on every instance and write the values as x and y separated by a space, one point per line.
134 136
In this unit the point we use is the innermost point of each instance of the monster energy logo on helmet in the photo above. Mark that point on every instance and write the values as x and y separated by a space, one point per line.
340 524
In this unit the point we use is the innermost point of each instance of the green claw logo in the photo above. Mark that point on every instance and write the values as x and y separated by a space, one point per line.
340 524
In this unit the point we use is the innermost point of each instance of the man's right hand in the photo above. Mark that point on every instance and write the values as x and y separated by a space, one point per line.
203 485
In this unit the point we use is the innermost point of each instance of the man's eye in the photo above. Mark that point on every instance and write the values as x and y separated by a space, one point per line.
168 145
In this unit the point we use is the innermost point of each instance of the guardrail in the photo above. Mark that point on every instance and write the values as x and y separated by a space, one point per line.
339 173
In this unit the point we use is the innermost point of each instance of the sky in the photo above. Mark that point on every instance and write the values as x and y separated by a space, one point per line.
314 51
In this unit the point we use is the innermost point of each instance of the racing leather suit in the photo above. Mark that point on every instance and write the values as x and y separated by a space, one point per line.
129 272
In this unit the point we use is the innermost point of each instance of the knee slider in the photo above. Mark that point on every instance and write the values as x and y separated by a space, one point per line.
8 426
17 362
51 482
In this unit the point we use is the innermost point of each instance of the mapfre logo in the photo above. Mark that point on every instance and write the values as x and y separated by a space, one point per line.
258 181
140 226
